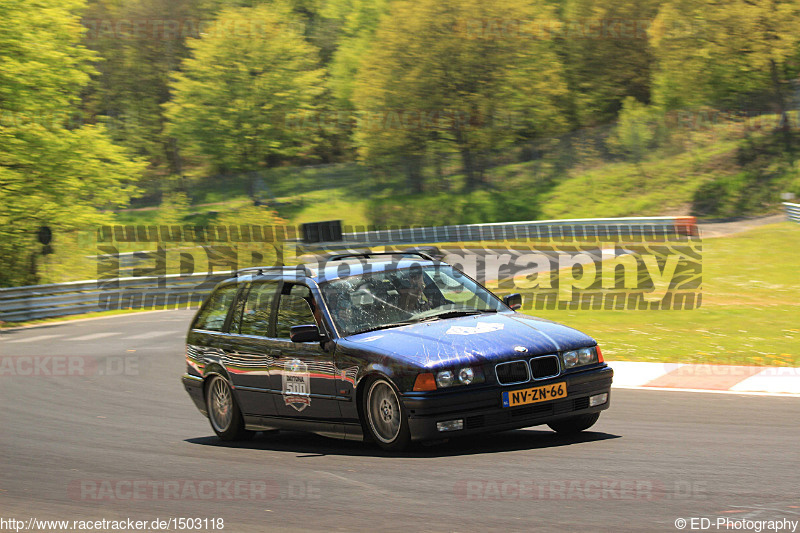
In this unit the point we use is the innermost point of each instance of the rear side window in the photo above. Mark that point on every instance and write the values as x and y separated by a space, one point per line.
258 309
213 315
294 310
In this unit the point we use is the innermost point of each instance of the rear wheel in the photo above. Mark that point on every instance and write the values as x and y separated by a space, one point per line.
575 424
386 420
223 412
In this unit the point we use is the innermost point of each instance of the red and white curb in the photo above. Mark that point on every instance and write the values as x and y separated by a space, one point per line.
706 378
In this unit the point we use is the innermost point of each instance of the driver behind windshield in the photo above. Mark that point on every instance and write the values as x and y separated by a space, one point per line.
394 298
412 297
344 312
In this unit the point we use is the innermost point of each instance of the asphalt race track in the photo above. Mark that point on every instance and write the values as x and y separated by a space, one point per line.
115 436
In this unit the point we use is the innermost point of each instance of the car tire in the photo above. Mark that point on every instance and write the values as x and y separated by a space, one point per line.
386 421
223 411
575 424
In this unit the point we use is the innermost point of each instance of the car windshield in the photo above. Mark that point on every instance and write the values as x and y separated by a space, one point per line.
385 299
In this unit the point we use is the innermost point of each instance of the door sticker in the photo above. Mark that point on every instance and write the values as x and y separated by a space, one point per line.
296 384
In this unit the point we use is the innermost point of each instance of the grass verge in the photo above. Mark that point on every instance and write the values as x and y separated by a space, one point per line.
749 315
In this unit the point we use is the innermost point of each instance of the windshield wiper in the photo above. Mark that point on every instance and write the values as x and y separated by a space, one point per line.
384 326
454 314
440 316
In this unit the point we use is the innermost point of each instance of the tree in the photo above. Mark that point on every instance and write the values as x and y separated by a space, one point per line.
723 53
636 131
359 20
242 98
604 46
139 44
450 75
53 171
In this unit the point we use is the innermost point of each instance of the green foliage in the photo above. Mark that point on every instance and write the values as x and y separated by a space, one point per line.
51 172
414 99
436 80
359 21
606 55
723 53
766 172
36 36
440 209
241 99
257 216
174 208
637 129
754 168
140 43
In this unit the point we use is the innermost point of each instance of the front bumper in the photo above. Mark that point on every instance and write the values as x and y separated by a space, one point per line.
482 410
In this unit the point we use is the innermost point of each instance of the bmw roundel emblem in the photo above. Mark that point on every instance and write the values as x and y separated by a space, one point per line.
520 349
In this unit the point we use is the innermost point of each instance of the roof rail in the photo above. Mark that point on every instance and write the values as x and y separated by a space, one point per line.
367 255
266 269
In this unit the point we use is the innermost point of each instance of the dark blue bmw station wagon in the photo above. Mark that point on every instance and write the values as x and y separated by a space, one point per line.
389 349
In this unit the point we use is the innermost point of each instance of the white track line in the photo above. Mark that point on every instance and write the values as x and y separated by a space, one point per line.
94 336
150 335
74 320
738 393
37 338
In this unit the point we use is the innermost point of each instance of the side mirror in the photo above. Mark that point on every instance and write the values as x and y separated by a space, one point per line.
308 333
514 301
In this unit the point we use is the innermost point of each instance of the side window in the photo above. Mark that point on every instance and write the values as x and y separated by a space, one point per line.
294 310
213 315
258 309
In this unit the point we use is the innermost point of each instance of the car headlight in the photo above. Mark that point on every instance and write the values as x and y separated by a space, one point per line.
445 379
460 376
584 356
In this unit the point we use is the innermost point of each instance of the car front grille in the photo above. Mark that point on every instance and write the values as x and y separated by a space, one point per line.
545 367
512 372
515 372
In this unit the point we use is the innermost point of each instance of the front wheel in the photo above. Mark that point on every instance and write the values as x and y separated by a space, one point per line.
223 412
575 424
387 421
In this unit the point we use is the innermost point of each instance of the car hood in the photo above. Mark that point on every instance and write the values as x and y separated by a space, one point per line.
470 340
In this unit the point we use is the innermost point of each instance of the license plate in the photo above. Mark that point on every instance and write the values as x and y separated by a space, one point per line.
544 393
